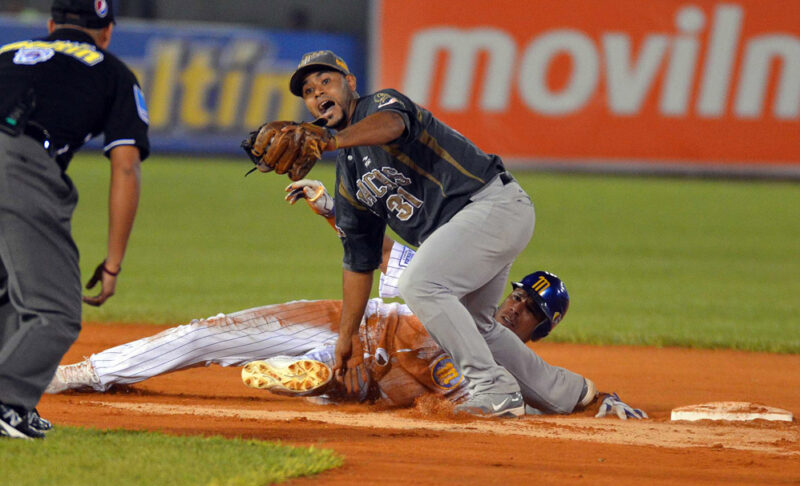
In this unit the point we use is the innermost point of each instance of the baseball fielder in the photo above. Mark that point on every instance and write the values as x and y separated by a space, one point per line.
289 348
398 165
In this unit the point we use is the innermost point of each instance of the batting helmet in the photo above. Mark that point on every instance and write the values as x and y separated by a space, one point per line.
550 294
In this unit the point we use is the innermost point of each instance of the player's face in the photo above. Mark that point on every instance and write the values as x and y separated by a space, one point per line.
329 95
520 314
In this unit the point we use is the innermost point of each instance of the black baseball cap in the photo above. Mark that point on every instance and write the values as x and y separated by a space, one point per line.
92 14
315 61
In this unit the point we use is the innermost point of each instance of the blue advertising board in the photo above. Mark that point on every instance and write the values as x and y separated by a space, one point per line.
207 86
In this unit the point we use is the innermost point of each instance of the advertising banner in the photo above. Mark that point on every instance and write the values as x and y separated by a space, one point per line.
207 86
666 81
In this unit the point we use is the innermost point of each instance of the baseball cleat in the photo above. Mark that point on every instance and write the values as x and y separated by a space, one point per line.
297 377
14 424
493 405
78 376
36 421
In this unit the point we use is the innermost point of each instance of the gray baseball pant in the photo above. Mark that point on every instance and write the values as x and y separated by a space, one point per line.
454 283
40 288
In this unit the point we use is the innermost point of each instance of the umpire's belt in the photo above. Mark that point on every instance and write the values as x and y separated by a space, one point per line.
41 135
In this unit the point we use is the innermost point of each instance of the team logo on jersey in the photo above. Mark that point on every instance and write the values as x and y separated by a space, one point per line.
101 8
384 99
377 183
444 373
37 50
141 104
33 56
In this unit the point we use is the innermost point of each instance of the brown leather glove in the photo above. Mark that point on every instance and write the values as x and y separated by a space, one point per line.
288 147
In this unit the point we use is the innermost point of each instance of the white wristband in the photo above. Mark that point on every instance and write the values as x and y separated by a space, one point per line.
398 261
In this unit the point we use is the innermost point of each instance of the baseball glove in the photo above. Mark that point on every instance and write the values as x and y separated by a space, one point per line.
288 147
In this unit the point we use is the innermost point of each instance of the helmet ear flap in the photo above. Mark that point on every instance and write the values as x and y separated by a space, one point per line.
542 330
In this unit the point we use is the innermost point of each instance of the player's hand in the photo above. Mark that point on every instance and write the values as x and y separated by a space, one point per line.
344 348
314 193
357 381
352 371
612 404
108 283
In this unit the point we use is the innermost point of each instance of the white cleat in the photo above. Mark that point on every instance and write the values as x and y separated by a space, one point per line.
78 376
297 377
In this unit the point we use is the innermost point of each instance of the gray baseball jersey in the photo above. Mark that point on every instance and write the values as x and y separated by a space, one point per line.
414 184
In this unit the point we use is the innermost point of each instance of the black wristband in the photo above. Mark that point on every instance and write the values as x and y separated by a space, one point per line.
105 269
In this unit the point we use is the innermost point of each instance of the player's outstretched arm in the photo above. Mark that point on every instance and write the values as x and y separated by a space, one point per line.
356 287
321 202
378 128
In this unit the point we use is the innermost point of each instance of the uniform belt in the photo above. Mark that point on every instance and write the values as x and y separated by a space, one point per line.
503 178
41 135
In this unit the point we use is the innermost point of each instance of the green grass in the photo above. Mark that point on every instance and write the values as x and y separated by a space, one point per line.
653 261
673 261
85 457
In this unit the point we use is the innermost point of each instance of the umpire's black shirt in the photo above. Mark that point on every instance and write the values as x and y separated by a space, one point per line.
80 92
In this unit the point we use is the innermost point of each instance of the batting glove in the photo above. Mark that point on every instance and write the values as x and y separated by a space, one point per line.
612 404
314 193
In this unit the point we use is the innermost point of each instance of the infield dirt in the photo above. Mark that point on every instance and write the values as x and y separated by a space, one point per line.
426 445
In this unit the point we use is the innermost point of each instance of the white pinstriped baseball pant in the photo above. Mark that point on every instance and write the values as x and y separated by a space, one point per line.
227 340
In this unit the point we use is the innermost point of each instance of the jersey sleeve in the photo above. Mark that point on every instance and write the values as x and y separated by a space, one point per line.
393 100
128 118
360 231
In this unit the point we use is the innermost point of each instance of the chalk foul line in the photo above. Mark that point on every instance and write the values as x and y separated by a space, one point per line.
774 440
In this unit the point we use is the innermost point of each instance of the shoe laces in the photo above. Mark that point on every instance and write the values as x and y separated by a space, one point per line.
82 373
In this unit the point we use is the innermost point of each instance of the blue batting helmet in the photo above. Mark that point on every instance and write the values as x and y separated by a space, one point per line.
550 294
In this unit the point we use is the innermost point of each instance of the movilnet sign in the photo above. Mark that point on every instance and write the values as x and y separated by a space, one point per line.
666 81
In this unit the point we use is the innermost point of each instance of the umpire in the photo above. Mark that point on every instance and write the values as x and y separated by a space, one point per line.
58 93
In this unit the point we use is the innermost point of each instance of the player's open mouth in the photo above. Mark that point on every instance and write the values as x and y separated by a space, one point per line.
325 107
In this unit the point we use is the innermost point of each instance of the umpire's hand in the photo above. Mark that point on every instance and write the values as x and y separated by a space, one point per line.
108 283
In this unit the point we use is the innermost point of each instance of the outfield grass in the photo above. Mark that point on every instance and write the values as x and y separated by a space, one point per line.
656 261
86 457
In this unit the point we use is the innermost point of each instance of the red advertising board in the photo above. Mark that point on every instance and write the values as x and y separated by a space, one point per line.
667 81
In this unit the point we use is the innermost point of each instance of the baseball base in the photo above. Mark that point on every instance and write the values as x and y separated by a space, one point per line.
732 411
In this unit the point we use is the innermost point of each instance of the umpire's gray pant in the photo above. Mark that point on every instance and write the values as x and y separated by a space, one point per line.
454 283
40 288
